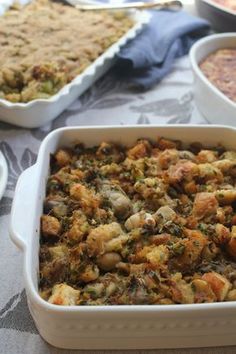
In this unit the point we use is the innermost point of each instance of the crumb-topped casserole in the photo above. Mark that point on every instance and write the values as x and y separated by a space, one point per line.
151 224
220 68
45 45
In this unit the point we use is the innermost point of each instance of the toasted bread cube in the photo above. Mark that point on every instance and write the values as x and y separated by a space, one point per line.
50 225
219 284
63 294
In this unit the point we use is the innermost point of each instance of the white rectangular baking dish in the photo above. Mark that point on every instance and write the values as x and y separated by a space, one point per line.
113 327
211 102
41 111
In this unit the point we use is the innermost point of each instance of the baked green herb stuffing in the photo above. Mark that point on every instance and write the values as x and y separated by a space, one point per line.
154 223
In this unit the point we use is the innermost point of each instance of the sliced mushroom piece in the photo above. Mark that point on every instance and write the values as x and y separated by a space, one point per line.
57 207
108 261
186 155
166 213
140 219
120 202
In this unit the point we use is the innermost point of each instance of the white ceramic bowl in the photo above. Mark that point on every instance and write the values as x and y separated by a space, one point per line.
113 327
211 102
3 174
221 18
41 111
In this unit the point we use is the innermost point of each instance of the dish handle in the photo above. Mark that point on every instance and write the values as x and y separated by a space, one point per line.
21 211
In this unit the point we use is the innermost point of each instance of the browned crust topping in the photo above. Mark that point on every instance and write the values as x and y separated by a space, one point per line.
45 45
220 69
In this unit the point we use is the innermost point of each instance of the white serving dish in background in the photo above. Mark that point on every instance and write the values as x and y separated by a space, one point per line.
124 326
3 174
221 17
211 102
41 111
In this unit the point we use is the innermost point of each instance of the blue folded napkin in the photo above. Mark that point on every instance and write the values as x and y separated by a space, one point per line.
145 60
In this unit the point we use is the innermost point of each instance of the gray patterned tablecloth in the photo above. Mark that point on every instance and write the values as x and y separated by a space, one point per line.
107 102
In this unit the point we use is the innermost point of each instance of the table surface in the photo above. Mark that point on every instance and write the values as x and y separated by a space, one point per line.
108 102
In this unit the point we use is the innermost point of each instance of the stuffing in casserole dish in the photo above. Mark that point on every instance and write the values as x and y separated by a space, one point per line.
220 69
45 45
154 223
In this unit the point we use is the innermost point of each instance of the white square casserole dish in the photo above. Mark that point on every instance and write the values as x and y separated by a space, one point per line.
114 327
41 111
212 103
